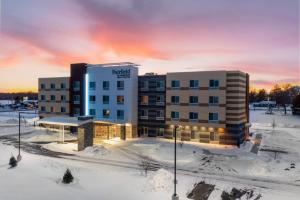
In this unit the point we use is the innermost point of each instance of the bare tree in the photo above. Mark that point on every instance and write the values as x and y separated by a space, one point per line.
145 165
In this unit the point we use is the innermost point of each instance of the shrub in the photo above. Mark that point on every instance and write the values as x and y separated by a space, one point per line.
13 162
68 177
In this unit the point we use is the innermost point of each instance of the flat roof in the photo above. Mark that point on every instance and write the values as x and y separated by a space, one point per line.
63 121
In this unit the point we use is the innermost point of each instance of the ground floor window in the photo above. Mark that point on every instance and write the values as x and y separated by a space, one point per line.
160 132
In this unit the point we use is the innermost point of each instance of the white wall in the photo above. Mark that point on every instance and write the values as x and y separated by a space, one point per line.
99 74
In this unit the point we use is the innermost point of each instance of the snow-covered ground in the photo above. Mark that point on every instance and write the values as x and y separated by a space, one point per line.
111 170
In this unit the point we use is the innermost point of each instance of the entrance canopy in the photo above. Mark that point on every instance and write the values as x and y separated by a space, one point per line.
64 121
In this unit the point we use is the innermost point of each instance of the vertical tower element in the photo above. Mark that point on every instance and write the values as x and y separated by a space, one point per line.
86 91
77 95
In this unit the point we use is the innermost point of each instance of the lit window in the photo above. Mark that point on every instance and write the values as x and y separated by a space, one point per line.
105 113
144 99
120 99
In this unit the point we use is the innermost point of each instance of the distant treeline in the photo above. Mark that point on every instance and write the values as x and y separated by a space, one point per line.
18 96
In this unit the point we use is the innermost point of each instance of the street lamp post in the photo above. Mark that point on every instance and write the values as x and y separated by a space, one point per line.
175 196
19 156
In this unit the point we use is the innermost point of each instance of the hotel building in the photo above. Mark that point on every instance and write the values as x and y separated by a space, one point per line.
208 106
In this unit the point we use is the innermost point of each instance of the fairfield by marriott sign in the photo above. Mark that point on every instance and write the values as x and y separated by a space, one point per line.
122 73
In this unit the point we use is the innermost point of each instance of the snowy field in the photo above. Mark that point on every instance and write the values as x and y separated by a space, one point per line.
113 169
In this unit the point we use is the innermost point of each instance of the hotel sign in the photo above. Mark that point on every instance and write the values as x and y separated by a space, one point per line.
122 73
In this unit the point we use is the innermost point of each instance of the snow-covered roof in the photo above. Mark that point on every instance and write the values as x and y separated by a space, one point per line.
66 121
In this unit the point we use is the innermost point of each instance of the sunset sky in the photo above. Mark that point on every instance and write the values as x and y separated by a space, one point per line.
40 38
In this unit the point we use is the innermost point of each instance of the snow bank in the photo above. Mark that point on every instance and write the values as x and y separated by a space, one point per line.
61 147
94 151
161 180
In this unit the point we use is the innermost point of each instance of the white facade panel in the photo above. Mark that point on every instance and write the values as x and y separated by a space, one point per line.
99 74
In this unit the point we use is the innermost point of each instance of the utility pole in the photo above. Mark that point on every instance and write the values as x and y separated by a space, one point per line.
175 196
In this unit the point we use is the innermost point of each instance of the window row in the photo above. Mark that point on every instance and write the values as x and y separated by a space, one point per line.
105 99
194 84
145 85
194 116
106 113
158 113
53 98
62 109
53 86
213 100
145 99
106 85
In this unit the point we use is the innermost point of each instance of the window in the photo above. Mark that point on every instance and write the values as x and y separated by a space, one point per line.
174 115
92 112
120 99
76 99
213 84
175 84
175 99
193 116
92 85
160 114
105 113
144 113
193 99
76 85
51 109
105 85
144 100
76 111
43 97
62 109
194 83
63 97
52 86
213 117
160 85
92 98
52 97
63 86
120 114
105 99
120 85
144 85
43 86
213 100
160 132
160 99
43 108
